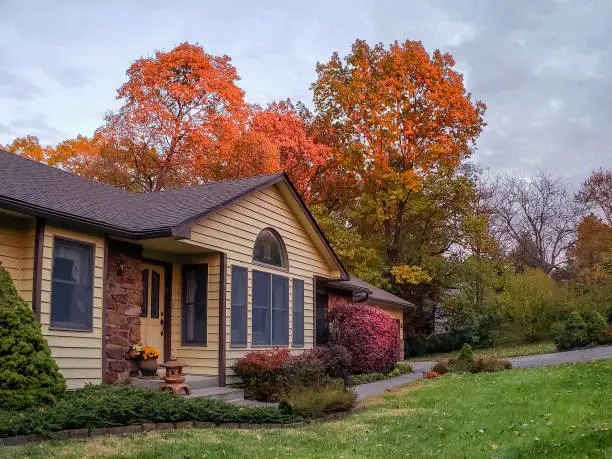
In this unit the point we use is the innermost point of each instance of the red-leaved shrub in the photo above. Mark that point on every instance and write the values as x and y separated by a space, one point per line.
370 336
262 373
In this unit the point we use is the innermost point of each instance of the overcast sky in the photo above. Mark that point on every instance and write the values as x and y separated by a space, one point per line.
544 68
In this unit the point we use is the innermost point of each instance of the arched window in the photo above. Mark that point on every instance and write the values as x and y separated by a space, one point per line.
269 249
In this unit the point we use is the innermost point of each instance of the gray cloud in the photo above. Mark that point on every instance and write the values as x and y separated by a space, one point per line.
15 86
543 67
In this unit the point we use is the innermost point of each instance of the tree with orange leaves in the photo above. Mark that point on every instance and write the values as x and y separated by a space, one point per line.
178 107
29 147
400 114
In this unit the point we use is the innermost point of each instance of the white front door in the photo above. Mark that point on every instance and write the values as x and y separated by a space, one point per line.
152 315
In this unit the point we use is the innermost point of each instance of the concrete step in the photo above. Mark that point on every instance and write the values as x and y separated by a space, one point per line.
222 393
195 382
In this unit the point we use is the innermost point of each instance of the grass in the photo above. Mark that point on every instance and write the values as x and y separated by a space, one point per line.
561 411
544 347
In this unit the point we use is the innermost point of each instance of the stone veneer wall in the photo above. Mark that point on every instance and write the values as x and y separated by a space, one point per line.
122 310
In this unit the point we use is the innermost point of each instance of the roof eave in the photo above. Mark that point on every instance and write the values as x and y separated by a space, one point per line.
84 223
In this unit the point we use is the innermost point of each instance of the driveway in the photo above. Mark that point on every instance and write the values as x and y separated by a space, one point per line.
580 355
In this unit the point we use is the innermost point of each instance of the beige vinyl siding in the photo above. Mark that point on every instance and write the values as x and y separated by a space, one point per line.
17 240
233 230
78 353
200 360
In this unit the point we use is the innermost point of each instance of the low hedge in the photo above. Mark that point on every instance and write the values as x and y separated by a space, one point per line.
315 402
112 406
364 378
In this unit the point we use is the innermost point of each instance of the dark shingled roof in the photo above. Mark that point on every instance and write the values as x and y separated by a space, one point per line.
356 285
48 191
37 189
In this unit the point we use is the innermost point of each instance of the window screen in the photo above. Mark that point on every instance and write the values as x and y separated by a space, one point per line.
72 285
195 283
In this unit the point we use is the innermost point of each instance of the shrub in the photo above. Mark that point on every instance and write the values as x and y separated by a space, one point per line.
370 336
465 359
431 374
404 368
608 333
29 377
262 373
393 373
569 333
594 327
305 370
415 348
365 378
444 366
490 365
534 301
336 359
109 406
314 402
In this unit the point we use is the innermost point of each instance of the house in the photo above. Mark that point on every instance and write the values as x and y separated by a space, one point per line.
204 273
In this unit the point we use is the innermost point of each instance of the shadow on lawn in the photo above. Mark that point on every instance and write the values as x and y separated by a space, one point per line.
567 447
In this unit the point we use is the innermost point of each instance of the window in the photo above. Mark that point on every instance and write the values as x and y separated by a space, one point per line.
144 309
269 249
154 295
239 305
72 285
298 312
270 309
321 315
195 284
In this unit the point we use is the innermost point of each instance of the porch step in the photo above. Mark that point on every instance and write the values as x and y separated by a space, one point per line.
221 393
195 382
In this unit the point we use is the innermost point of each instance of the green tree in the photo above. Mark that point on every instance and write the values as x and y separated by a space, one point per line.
29 377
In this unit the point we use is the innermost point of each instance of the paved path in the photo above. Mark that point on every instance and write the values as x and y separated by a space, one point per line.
580 355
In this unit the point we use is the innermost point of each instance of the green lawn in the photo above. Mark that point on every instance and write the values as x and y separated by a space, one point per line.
544 347
562 411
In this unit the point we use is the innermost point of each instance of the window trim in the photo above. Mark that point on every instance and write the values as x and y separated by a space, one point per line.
183 341
284 255
246 306
64 326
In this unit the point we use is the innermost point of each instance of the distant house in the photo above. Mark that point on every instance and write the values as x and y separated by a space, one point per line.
204 273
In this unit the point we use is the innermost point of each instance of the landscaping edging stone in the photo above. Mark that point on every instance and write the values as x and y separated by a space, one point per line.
135 428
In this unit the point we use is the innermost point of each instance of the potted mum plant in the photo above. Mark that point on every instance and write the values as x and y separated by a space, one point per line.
146 358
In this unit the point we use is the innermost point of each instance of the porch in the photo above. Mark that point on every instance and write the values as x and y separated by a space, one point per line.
165 293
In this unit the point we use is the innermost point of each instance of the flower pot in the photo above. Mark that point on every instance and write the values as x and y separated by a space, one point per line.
148 367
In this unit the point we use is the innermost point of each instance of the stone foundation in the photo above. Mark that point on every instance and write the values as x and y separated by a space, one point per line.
122 311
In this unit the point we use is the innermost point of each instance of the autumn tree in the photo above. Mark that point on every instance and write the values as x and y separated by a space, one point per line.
596 193
594 244
177 108
276 139
29 147
399 115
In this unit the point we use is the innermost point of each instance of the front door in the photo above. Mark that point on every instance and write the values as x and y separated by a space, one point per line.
152 314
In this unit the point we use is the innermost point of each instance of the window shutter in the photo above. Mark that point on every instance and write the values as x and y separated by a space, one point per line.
239 306
298 312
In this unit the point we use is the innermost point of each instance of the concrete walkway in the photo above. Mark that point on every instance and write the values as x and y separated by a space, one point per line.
580 355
